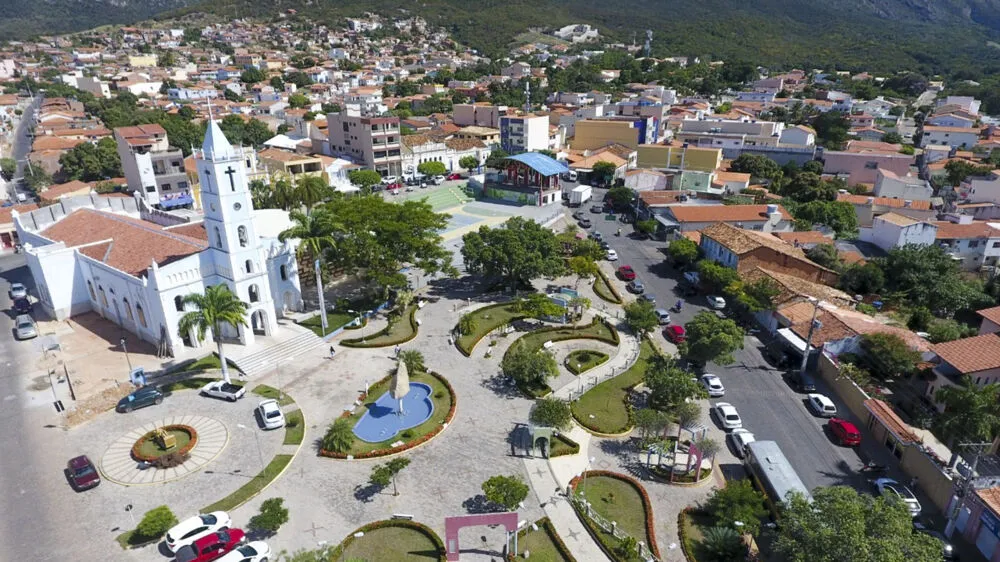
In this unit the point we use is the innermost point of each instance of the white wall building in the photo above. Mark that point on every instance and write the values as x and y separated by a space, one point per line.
133 265
892 230
889 184
955 137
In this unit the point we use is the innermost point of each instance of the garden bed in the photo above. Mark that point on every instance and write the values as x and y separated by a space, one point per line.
443 396
605 289
487 319
545 545
334 321
663 474
599 329
146 449
400 331
395 540
295 428
583 360
691 526
255 486
266 391
608 401
619 498
562 445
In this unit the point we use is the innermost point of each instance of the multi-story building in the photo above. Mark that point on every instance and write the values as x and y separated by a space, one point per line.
479 114
152 167
524 133
955 137
371 141
628 131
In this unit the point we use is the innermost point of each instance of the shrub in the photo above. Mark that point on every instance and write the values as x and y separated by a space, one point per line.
156 522
551 412
170 460
339 436
273 514
505 491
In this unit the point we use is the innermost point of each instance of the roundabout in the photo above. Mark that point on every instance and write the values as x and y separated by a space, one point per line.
120 462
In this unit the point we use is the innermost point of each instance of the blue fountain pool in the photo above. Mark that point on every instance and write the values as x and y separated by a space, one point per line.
380 422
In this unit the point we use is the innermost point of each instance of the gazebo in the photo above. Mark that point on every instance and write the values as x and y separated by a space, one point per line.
530 178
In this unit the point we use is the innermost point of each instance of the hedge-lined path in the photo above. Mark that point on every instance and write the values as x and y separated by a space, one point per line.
628 352
118 466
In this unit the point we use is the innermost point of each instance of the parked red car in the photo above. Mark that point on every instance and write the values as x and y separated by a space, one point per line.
847 433
82 474
626 272
212 546
675 333
396 185
454 176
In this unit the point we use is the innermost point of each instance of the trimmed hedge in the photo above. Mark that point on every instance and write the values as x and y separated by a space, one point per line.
545 524
177 427
411 317
410 444
686 542
412 525
647 508
614 340
572 446
614 297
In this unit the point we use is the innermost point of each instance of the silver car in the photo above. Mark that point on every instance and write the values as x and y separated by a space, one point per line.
25 327
17 291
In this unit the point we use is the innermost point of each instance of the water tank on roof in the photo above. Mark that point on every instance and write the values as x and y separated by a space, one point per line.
772 208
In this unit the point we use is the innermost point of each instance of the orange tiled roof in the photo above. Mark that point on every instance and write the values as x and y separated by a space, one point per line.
970 355
891 420
991 498
884 201
991 314
724 213
948 230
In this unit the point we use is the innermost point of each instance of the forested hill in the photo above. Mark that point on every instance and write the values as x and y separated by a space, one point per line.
929 36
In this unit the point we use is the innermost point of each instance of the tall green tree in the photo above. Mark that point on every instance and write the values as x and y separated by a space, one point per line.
90 162
468 163
8 167
683 251
252 75
641 317
216 308
842 524
971 411
604 172
365 179
621 198
315 231
432 168
669 385
517 252
551 412
710 338
758 166
888 355
831 129
528 368
716 275
384 474
738 501
311 190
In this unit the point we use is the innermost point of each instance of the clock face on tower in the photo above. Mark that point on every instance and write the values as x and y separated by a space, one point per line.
237 206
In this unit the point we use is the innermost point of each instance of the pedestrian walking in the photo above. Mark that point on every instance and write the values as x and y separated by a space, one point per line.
333 351
397 350
913 482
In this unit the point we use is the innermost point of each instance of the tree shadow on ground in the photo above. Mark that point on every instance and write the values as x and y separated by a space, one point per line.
367 493
622 449
502 386
479 504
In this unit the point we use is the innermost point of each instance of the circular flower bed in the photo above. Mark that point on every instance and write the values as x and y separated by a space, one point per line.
148 450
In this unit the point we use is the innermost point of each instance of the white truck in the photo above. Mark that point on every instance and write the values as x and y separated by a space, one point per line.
580 195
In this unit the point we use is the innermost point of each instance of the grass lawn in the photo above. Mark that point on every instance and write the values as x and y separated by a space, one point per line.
487 319
540 544
266 391
561 446
603 290
391 543
616 500
334 320
595 330
695 525
150 448
295 428
441 407
401 331
606 401
584 359
251 488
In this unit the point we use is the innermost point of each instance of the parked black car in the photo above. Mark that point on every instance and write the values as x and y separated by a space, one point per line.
140 398
804 382
22 306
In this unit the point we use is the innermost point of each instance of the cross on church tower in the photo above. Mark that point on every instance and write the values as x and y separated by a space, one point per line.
229 172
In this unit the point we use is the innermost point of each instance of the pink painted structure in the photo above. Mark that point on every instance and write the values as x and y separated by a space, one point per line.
452 525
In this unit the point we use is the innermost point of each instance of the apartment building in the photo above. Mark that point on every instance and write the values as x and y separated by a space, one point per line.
628 131
371 141
478 114
152 167
524 133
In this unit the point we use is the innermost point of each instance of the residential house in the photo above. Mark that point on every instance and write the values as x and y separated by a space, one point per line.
687 217
291 164
907 187
977 357
956 120
981 189
866 208
152 167
371 141
791 289
478 114
628 131
861 165
798 135
955 137
745 250
967 103
676 156
524 133
485 135
974 244
990 323
892 230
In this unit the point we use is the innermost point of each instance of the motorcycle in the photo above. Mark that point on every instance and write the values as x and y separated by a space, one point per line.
618 232
875 468
676 307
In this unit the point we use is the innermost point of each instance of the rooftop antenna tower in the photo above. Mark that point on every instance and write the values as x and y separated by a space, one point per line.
649 39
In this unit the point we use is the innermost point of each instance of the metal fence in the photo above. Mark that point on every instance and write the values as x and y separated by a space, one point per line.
584 387
610 527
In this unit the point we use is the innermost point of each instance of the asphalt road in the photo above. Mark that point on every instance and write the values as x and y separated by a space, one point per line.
21 147
31 483
768 405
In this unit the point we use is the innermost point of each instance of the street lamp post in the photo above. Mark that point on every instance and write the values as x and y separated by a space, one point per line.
125 349
812 326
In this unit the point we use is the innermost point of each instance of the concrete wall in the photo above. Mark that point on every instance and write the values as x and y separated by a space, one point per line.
595 134
690 158
849 393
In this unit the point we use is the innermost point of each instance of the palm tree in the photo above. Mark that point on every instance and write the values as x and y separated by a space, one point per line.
311 190
970 412
315 230
216 307
723 543
414 361
339 436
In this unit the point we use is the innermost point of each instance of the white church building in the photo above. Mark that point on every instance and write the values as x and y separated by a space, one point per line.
133 264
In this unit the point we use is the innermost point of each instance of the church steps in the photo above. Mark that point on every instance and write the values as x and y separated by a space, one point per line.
266 360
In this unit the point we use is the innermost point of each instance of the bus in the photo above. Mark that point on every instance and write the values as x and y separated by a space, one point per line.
772 473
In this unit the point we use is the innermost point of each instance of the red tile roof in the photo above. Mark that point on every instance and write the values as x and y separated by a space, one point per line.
724 213
134 244
970 355
947 230
891 420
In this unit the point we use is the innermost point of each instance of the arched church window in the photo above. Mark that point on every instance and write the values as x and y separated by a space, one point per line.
284 272
179 303
249 266
218 238
128 310
254 293
242 233
104 297
142 315
93 295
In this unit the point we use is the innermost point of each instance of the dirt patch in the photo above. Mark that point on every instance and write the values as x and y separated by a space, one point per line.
95 405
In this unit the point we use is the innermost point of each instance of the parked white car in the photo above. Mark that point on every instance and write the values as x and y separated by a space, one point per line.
612 255
889 487
190 530
256 551
822 406
716 302
17 291
727 415
741 438
224 390
270 414
713 385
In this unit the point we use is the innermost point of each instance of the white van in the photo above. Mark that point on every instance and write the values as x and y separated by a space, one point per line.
569 176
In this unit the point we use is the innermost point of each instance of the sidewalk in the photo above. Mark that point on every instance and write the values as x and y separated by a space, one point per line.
628 352
549 483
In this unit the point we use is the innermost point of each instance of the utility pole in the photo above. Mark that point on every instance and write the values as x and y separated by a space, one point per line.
965 487
812 326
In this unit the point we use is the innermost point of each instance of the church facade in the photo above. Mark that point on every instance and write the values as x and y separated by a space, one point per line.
133 264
